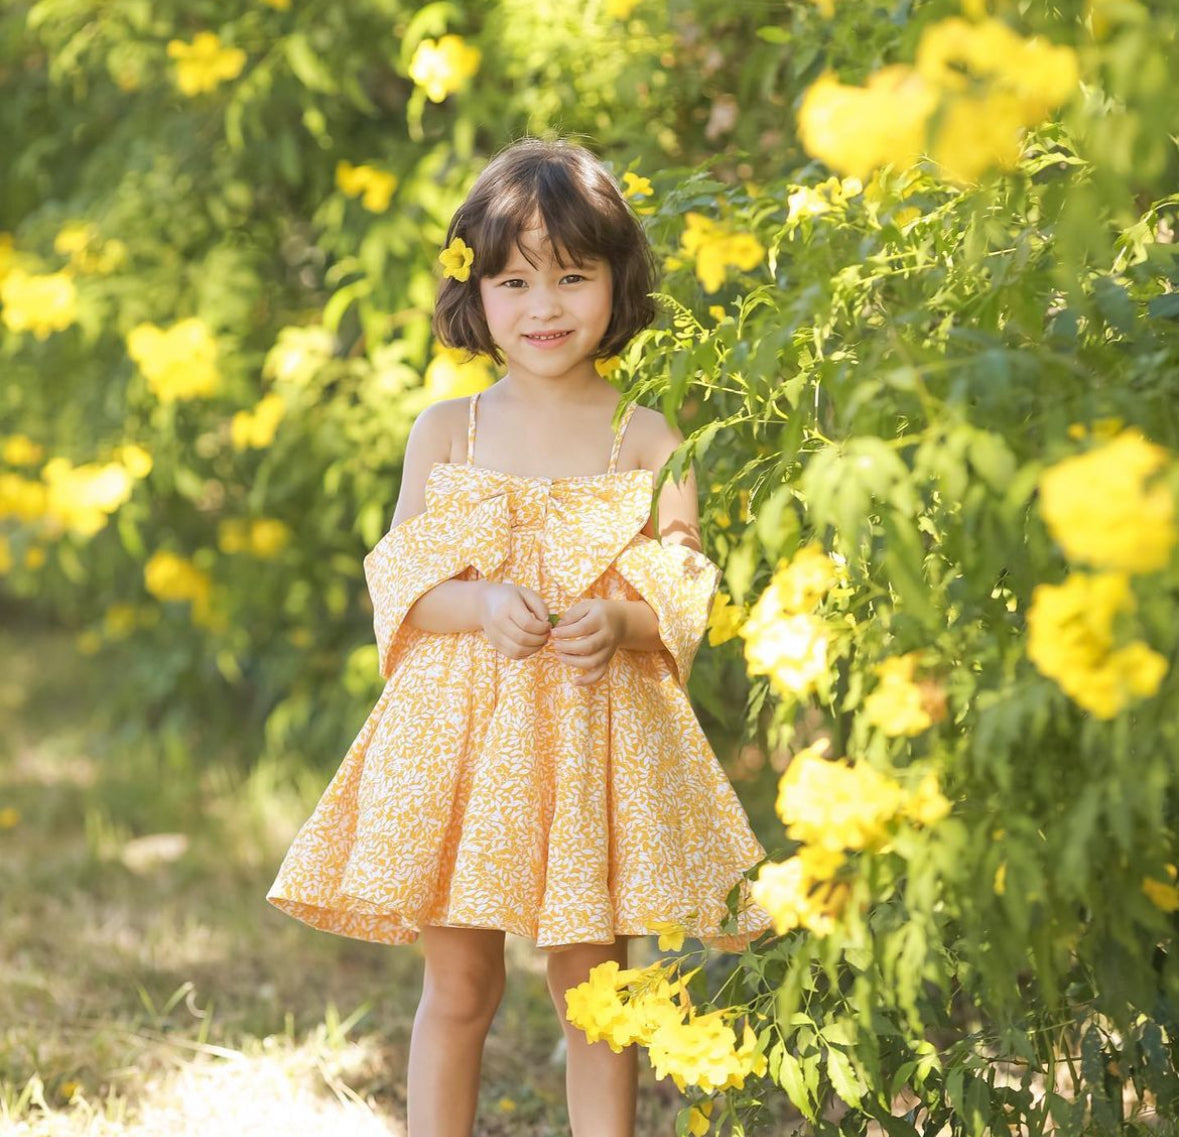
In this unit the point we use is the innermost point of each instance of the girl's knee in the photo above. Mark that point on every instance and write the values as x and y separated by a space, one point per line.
464 977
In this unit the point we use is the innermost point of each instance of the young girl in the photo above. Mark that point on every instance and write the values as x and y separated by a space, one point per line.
533 764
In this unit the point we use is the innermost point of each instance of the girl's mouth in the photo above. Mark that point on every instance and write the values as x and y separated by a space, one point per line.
548 339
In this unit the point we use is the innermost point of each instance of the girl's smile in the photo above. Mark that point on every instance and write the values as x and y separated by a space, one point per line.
548 319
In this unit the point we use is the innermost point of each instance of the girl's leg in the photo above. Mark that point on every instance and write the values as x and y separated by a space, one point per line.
601 1086
461 990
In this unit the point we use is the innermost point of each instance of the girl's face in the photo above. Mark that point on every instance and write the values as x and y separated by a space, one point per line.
523 303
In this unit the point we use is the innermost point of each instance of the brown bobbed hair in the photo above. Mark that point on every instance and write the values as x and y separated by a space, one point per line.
584 214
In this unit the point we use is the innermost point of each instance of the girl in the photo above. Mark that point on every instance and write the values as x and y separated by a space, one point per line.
533 764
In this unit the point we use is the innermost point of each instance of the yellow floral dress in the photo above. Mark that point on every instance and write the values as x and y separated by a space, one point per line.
490 792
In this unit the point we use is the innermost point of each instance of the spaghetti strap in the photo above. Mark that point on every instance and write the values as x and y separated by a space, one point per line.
618 437
471 429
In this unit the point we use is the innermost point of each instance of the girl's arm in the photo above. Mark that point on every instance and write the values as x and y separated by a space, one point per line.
678 523
453 605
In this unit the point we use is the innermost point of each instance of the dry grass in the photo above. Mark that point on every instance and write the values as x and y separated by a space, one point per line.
146 987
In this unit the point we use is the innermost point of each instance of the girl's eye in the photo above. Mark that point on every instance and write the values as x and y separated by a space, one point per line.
517 280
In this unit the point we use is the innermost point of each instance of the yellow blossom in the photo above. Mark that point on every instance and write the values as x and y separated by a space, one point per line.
897 705
791 650
800 892
38 303
634 185
620 9
9 817
798 585
671 934
1108 508
21 450
179 362
452 373
457 259
724 618
205 63
927 805
833 805
280 5
717 248
256 428
1071 640
375 185
1163 894
134 459
442 67
82 498
604 367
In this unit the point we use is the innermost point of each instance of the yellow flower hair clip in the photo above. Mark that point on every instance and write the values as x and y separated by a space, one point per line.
457 259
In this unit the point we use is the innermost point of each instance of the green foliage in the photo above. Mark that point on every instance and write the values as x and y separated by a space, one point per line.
891 381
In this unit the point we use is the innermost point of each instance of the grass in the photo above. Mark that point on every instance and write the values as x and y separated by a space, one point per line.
146 986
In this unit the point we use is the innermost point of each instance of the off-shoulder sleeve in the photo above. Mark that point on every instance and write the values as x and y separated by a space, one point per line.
679 584
423 551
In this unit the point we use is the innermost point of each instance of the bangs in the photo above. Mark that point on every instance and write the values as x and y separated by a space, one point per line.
572 228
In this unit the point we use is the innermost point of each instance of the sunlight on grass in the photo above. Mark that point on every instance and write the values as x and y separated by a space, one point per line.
275 1086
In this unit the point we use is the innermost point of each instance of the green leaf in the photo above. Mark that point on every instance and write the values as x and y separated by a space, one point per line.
844 1079
790 1078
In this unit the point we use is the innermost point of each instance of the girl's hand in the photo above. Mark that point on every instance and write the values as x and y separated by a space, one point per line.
589 634
515 619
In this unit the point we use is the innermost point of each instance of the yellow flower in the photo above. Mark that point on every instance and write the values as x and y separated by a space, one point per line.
205 63
9 817
620 9
443 67
377 186
724 618
280 5
21 450
1106 507
1071 640
856 129
136 460
605 366
799 584
927 805
451 374
457 259
1000 882
38 303
897 705
634 185
716 248
671 935
832 805
82 498
1162 894
799 893
791 650
256 428
179 362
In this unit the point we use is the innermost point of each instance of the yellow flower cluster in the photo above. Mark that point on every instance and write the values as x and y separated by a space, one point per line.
974 86
375 185
172 577
828 196
1071 639
82 498
783 638
205 63
716 247
261 537
1107 507
256 428
442 67
21 498
1110 508
832 807
79 241
38 303
639 1005
898 704
179 362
